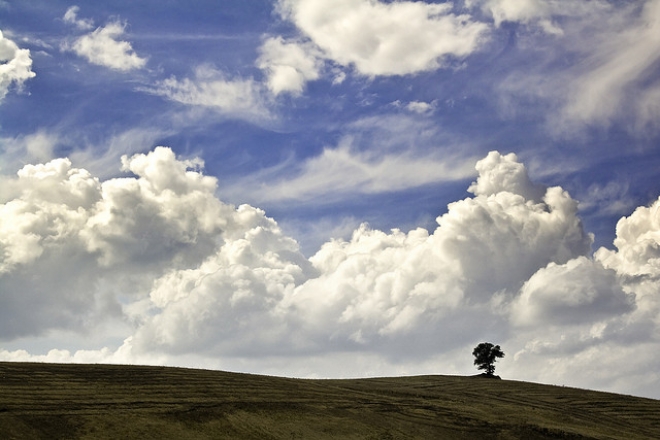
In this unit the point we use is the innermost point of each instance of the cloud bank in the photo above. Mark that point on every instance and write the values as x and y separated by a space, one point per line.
192 276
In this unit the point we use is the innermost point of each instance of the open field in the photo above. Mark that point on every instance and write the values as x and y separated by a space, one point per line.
53 401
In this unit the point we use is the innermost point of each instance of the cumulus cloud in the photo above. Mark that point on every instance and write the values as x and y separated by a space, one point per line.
172 210
378 38
257 295
195 277
38 230
117 233
638 244
103 46
236 268
288 65
243 98
604 310
576 292
499 173
15 65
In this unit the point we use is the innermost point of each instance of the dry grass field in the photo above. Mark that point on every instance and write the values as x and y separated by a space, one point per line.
53 401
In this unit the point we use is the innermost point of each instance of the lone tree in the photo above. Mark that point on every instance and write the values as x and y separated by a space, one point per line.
485 355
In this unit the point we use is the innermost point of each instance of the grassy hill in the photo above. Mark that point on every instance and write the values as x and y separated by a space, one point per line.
53 401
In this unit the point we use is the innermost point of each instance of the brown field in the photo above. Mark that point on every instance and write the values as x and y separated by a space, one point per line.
53 401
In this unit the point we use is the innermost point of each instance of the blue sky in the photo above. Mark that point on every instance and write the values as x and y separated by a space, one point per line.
333 188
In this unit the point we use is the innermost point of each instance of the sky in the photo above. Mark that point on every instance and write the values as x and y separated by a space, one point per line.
334 188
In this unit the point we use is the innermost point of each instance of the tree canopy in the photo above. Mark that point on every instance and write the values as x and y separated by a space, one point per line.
485 355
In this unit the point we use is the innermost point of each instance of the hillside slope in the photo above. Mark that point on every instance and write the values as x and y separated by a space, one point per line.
53 401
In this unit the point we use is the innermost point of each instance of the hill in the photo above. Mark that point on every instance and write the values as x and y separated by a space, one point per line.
54 401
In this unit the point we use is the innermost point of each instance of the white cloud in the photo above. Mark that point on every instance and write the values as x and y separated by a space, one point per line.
638 244
15 65
577 292
243 98
520 10
524 11
499 173
510 233
204 282
378 38
173 212
71 17
103 46
38 231
119 233
420 107
288 65
257 295
582 308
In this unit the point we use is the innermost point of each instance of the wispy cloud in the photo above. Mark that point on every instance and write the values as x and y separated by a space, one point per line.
616 73
210 88
71 17
541 13
611 81
375 155
342 170
21 150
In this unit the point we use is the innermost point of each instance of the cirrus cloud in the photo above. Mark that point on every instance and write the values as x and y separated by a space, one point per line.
210 88
610 80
